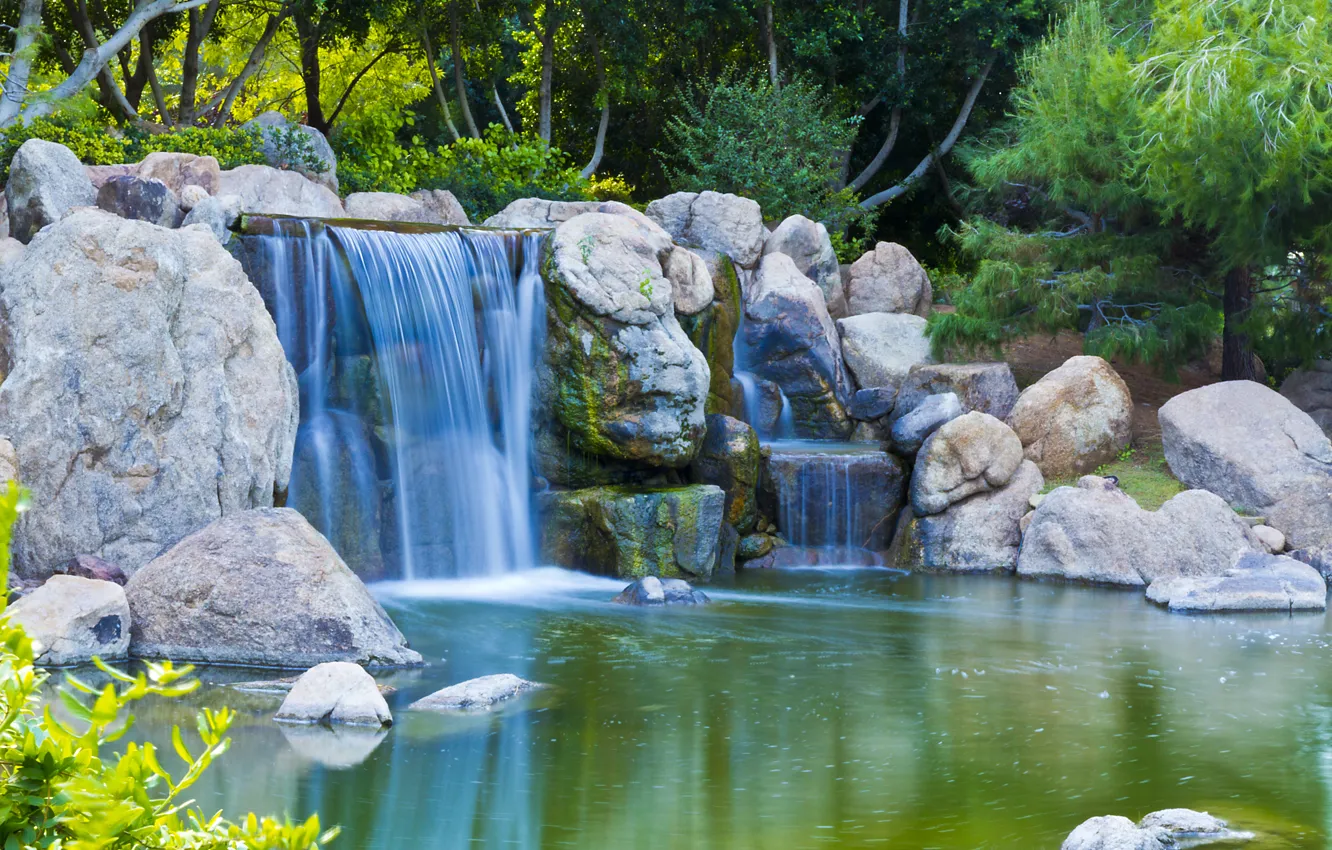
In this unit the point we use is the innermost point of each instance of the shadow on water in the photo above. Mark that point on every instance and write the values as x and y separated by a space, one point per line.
811 708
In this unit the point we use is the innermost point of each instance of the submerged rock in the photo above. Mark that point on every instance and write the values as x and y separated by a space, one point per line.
1258 582
888 279
74 619
1113 832
1075 418
336 692
631 532
476 694
46 182
651 591
260 588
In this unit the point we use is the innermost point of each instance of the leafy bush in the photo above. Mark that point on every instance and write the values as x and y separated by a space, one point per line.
780 146
373 158
59 788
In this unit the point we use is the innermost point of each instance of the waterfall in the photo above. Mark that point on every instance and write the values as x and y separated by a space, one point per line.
415 354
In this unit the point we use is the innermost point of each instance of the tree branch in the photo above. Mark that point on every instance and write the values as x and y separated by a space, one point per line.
342 101
895 121
599 146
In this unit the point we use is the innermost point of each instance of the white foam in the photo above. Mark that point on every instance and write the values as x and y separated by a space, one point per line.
542 584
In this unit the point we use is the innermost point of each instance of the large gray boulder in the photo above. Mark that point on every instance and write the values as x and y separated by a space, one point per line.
46 181
282 140
888 280
621 379
971 454
978 534
1257 582
910 431
259 588
1311 391
141 199
1075 418
880 349
1096 533
265 190
538 212
1259 452
634 532
725 223
336 692
148 393
442 206
987 387
792 342
691 281
387 206
807 243
73 619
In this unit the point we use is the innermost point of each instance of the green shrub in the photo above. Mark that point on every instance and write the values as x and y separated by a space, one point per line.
60 789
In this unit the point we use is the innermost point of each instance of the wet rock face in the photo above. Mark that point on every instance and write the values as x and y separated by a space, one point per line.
729 459
807 243
1075 418
630 532
652 592
833 499
712 329
1257 582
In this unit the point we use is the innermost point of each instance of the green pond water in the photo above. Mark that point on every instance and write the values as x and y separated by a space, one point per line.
806 709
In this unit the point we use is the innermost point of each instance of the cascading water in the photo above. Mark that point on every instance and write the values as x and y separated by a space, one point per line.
415 353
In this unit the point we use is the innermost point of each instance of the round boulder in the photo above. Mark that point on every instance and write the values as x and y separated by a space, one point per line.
46 181
74 619
971 454
888 280
881 348
807 243
725 223
1075 418
336 692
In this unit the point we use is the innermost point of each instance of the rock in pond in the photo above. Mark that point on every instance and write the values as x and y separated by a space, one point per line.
725 223
651 591
910 431
808 244
1075 418
74 619
1096 533
1262 454
476 694
148 394
259 588
1258 582
46 181
968 455
1155 831
336 692
881 348
888 279
631 532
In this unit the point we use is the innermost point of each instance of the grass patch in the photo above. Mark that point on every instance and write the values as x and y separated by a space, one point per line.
1143 473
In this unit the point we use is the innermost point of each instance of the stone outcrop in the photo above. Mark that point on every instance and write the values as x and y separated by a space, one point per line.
218 213
259 588
727 224
978 534
652 592
910 431
148 394
388 206
888 280
476 694
729 459
265 190
621 379
282 140
336 692
807 244
880 349
538 212
1257 582
141 199
1311 391
74 619
441 205
792 342
1096 533
1075 418
629 532
971 454
1262 454
712 329
46 181
987 387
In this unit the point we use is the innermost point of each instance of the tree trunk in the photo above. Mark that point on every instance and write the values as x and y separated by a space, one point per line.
200 22
1237 360
307 33
20 63
499 104
228 95
599 147
434 81
895 120
459 72
547 71
146 59
771 33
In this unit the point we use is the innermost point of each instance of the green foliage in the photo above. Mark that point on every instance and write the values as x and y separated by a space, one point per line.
1143 474
373 157
782 147
61 789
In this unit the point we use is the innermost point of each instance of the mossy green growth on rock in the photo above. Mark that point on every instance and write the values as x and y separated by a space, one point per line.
630 532
729 459
712 331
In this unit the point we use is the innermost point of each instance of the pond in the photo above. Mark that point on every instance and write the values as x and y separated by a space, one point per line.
806 709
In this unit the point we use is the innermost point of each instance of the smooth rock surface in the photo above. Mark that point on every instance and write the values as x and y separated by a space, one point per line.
192 196
1271 539
1096 533
265 190
650 591
1257 582
909 432
880 349
968 455
384 206
987 387
46 181
725 223
218 213
1075 418
141 199
1311 391
179 171
336 692
874 403
148 393
1115 833
888 279
441 205
259 588
74 619
691 281
476 694
538 212
808 245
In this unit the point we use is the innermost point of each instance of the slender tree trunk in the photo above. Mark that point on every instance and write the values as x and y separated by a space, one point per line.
771 33
547 71
391 47
307 33
228 95
895 120
499 104
434 81
459 72
1237 360
20 61
146 59
200 22
599 147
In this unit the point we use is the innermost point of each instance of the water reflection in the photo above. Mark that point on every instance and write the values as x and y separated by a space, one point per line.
821 709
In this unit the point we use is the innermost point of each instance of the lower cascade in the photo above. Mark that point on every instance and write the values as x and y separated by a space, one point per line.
415 354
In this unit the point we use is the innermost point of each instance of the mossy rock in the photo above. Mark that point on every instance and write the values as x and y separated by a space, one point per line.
729 459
